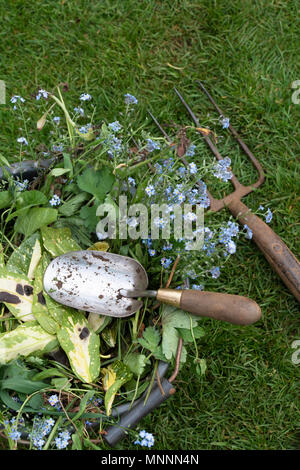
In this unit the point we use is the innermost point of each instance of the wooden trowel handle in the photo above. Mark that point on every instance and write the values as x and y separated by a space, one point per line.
276 252
226 307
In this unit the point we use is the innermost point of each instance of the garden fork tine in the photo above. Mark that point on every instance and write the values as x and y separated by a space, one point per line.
276 252
242 144
240 190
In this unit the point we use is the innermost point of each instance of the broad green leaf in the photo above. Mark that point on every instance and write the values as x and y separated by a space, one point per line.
30 198
59 171
45 374
24 340
96 182
173 319
77 445
26 200
89 217
16 292
70 207
58 241
136 362
4 160
20 259
81 345
150 339
33 219
68 164
187 335
5 199
170 342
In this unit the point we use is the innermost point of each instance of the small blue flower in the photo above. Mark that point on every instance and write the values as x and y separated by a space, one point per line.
38 442
16 98
53 400
151 252
191 151
57 148
221 170
231 247
79 111
61 443
269 216
130 99
261 208
249 233
147 439
225 122
131 181
181 170
85 97
42 93
65 435
158 168
85 129
151 145
56 119
165 262
22 140
149 190
14 435
115 126
167 247
198 287
193 168
180 197
215 272
55 200
114 145
20 186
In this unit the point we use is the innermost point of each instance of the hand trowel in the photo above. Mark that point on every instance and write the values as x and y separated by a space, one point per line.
111 284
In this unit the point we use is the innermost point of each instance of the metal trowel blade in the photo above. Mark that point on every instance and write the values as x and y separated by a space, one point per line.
91 281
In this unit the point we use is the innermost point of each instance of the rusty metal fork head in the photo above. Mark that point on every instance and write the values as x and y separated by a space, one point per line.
239 189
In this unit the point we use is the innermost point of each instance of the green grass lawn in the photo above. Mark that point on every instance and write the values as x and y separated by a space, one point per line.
247 54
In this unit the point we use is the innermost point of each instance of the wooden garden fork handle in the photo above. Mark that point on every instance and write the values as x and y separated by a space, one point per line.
274 249
276 252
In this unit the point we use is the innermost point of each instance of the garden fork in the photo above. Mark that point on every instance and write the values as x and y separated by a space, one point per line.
276 252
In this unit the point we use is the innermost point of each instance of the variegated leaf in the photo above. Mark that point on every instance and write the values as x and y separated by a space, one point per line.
21 257
24 340
81 345
35 258
39 307
16 292
115 375
58 241
98 322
